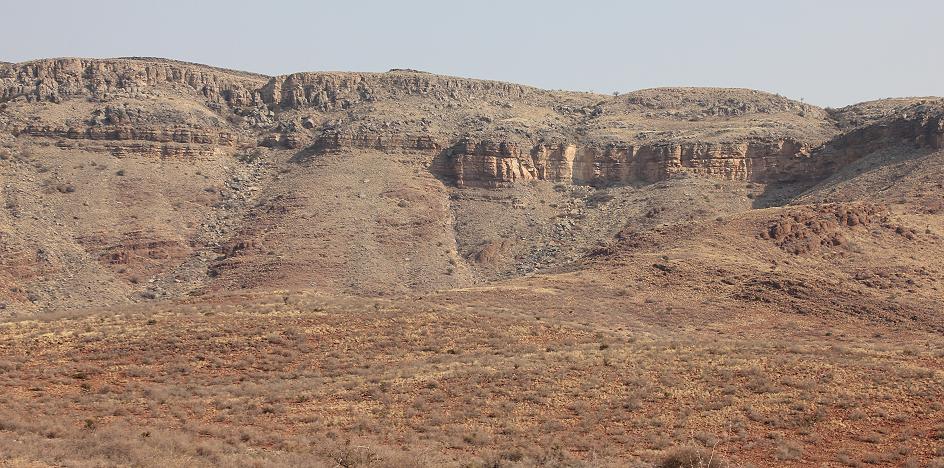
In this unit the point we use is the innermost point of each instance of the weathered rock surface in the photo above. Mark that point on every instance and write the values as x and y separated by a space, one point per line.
492 164
56 79
802 230
334 91
920 124
123 133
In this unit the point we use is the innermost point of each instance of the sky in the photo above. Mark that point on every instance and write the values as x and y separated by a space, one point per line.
826 52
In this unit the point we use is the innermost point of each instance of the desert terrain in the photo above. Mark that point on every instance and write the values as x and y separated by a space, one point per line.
209 267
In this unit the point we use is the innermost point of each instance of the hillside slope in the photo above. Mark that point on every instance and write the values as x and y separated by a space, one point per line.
137 179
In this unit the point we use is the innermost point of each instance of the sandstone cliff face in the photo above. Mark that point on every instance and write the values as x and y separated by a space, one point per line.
496 163
517 134
493 164
55 79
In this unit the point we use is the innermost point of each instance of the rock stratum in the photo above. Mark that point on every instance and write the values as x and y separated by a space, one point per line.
483 133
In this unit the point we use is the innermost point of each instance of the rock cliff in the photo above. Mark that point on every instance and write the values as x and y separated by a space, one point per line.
492 164
473 132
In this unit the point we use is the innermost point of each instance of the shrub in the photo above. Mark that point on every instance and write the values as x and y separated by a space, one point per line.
598 198
691 457
249 156
788 450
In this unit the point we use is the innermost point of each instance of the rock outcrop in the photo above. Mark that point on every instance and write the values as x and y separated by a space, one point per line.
493 164
334 91
490 163
53 80
181 143
803 230
126 133
920 125
492 134
336 141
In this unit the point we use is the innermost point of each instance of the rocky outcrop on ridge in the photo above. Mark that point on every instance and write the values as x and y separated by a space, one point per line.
473 132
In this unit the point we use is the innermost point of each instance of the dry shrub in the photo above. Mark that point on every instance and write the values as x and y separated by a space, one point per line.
788 450
691 457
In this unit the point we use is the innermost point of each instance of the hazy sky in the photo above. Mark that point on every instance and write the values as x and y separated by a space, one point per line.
831 53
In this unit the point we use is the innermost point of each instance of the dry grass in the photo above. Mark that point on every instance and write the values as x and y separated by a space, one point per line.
323 381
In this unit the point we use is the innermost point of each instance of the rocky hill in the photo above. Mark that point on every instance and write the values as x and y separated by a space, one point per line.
202 266
129 179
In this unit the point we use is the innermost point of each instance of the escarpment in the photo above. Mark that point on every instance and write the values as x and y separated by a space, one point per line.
497 163
491 134
148 178
153 107
472 132
493 164
592 156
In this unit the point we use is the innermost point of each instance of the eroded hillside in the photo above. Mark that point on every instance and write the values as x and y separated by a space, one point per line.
139 179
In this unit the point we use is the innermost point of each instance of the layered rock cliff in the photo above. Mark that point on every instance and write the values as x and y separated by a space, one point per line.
490 134
493 164
185 143
473 132
122 133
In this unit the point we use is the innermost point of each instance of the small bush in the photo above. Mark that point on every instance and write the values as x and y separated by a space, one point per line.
691 457
250 156
598 198
788 450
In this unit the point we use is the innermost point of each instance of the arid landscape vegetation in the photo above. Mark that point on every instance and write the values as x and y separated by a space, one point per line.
208 267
